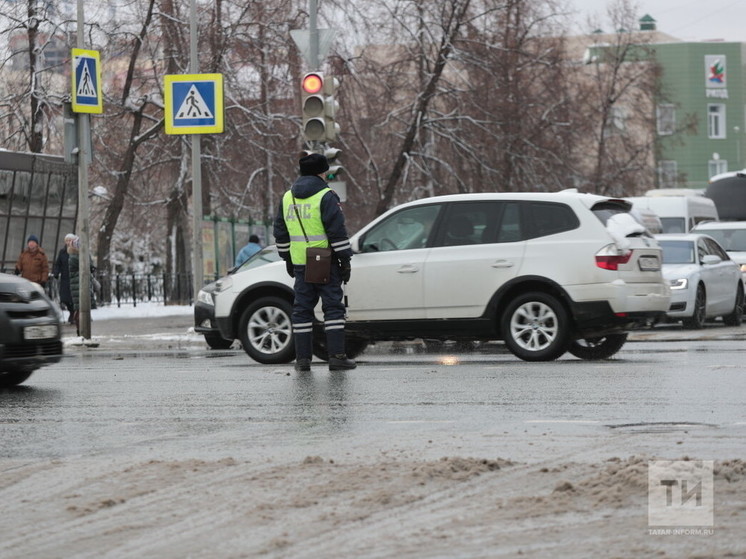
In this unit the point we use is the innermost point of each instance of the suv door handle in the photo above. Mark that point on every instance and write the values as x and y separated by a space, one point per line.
502 264
408 269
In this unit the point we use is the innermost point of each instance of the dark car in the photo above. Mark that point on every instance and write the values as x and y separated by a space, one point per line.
204 307
29 330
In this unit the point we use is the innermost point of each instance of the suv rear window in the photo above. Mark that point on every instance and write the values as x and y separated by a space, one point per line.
548 218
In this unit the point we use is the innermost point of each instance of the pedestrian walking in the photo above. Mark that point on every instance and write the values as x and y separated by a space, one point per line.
61 272
32 263
251 248
73 250
310 216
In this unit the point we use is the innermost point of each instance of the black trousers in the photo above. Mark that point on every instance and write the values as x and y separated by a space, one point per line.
307 295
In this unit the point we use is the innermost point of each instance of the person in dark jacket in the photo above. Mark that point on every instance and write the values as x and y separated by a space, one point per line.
311 203
73 250
61 271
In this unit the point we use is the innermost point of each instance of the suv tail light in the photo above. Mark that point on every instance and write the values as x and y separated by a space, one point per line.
609 257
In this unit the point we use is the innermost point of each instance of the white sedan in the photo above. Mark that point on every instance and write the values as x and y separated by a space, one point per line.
705 283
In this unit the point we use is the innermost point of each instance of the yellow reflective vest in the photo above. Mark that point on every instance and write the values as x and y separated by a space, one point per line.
309 210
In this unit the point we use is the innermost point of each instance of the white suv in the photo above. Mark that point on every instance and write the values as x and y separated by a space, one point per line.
545 272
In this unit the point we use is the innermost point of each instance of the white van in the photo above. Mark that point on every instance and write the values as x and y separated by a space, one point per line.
678 210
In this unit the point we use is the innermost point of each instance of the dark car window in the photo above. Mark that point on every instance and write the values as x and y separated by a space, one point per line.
510 229
677 252
716 249
410 228
701 249
548 218
469 223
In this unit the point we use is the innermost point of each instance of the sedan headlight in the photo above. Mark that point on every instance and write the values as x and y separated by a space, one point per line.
205 297
679 283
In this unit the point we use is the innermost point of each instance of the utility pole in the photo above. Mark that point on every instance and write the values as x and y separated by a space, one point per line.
197 266
84 266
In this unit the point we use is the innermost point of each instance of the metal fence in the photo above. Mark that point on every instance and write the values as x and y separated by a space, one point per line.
131 289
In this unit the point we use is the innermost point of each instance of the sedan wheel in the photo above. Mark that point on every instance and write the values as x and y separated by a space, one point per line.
697 320
535 327
266 331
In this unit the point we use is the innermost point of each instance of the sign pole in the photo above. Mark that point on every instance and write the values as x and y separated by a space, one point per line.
197 266
84 269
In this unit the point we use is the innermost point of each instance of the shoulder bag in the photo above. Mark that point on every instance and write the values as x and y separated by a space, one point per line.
318 259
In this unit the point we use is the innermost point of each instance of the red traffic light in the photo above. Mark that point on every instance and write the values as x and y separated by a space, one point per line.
312 83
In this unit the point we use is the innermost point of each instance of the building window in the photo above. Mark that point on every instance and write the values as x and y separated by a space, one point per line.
716 166
716 121
666 119
667 174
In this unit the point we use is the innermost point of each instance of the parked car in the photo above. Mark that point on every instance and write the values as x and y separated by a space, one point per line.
545 272
29 330
731 235
705 282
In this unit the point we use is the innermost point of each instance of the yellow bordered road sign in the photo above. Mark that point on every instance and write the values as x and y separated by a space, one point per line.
86 82
193 103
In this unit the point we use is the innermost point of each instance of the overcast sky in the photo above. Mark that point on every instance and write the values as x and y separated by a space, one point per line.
689 20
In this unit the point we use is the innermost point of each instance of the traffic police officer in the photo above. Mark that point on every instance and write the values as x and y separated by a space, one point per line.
317 205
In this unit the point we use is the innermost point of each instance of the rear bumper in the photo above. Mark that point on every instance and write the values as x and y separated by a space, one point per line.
623 297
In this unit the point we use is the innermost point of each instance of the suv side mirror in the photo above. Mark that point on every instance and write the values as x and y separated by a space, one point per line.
710 259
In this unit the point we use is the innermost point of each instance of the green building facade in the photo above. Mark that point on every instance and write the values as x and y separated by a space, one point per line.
701 124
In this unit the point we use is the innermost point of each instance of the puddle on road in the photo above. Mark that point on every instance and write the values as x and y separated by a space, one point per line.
660 426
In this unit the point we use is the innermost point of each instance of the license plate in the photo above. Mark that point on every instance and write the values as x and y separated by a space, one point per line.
40 332
649 263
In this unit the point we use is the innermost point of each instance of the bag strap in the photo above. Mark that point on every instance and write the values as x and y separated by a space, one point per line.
297 213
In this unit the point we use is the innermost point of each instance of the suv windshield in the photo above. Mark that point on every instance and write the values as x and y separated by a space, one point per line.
729 239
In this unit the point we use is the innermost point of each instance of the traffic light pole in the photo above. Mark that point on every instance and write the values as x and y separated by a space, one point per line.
313 35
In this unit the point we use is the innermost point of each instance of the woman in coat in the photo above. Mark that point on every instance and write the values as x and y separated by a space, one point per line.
73 251
61 271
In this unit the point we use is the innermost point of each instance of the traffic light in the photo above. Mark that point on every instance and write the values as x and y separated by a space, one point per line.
312 106
318 107
335 168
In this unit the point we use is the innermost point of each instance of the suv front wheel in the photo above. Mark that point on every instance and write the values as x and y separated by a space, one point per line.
535 327
266 331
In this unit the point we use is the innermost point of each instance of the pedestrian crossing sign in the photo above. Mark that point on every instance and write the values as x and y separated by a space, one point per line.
193 103
86 82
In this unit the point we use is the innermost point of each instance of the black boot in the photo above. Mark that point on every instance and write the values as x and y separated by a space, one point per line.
302 365
340 362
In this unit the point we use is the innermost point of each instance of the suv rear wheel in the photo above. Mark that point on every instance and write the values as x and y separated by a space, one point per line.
266 331
602 347
535 327
216 341
353 347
